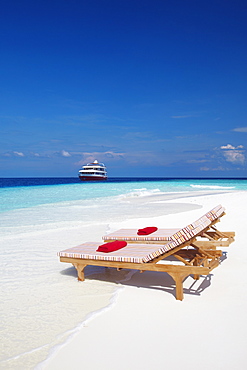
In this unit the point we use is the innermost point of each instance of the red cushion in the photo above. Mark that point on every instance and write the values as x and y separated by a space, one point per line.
112 246
147 230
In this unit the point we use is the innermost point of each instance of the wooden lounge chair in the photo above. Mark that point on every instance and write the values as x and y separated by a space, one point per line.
215 237
191 258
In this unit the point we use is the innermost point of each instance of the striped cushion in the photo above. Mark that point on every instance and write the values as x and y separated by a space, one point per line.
131 235
140 253
135 253
215 213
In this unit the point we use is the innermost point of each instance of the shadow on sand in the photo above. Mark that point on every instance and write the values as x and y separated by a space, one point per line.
147 279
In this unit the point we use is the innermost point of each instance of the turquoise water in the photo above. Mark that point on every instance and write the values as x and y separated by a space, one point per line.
18 196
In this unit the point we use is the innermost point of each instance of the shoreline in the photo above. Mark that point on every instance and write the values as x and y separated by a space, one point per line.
121 326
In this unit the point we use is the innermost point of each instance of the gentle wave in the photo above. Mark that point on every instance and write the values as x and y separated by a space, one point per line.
143 192
211 187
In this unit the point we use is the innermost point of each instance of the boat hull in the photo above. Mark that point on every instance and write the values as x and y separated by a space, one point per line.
92 178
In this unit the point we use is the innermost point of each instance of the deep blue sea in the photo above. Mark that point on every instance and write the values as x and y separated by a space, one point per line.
16 193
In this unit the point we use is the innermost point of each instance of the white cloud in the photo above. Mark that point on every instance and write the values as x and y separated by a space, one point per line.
233 154
197 160
100 156
228 146
19 154
142 158
240 129
219 168
65 153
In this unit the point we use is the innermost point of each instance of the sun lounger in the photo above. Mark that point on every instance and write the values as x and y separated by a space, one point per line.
215 237
191 258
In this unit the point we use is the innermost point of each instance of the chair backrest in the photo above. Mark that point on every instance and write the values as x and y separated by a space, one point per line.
216 212
190 231
197 226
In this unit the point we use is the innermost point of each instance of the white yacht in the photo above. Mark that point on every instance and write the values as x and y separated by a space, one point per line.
93 172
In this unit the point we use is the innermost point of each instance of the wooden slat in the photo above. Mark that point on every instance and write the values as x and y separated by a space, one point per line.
139 266
213 264
211 245
187 263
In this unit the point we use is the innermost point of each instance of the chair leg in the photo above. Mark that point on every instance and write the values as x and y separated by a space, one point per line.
196 276
80 271
178 277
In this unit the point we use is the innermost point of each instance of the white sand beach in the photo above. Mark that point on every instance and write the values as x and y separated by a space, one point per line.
147 328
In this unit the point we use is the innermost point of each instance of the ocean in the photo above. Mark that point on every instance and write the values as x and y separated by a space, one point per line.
16 193
42 303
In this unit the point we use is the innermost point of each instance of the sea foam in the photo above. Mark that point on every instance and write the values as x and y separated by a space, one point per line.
213 187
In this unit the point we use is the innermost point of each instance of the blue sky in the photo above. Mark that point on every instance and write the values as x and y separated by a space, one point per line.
150 88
